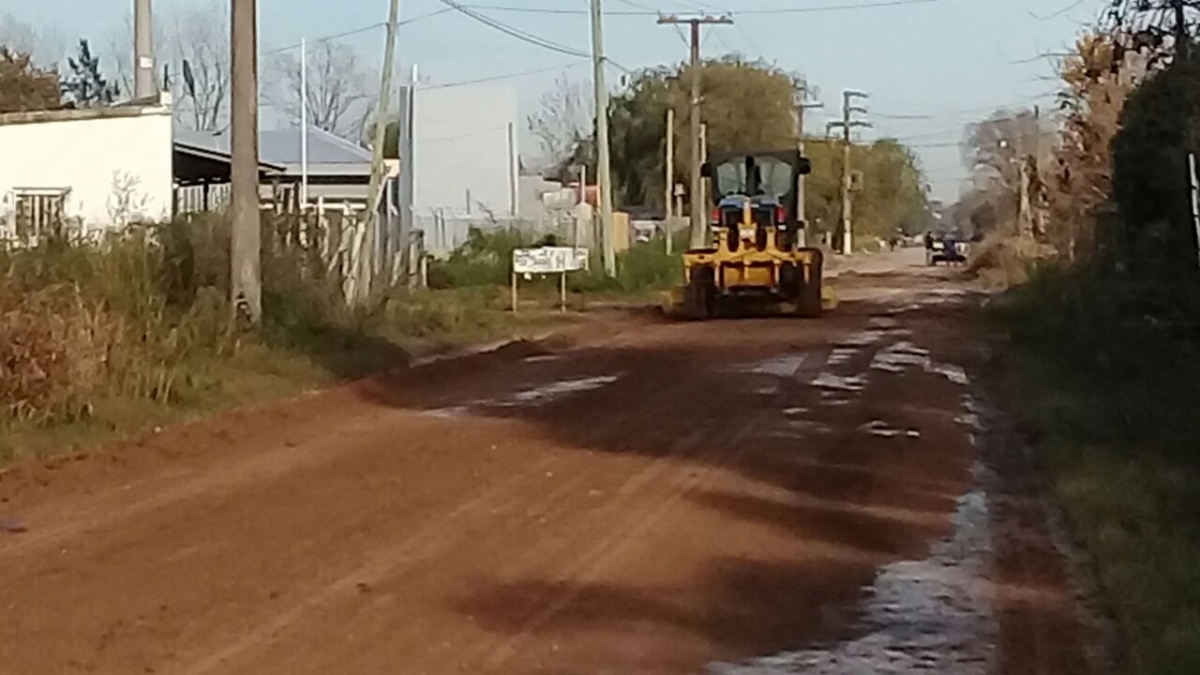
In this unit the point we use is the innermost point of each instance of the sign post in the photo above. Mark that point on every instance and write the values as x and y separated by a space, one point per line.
547 260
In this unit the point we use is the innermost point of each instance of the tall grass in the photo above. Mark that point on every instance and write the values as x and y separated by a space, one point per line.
141 322
144 316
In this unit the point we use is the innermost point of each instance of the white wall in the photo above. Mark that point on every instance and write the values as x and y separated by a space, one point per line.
461 146
115 168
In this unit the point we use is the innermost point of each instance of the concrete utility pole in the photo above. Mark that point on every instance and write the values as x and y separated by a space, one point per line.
699 225
846 124
245 244
603 167
366 262
670 177
802 107
406 151
703 159
303 125
143 51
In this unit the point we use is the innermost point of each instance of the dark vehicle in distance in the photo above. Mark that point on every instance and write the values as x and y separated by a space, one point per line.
945 247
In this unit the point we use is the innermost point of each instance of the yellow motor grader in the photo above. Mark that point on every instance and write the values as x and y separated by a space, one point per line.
758 256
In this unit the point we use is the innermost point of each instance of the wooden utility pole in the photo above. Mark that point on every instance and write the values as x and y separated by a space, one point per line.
603 166
846 124
367 246
699 226
1182 39
143 51
245 243
669 182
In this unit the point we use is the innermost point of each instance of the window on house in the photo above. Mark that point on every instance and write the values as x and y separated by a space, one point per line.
39 212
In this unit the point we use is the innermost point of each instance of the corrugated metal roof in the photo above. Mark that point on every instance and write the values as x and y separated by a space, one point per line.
283 146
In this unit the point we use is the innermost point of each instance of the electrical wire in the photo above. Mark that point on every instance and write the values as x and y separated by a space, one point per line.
514 32
356 31
496 78
876 4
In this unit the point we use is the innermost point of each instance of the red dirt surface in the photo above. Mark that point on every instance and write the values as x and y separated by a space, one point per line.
650 499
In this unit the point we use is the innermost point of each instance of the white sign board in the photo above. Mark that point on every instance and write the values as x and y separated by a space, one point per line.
549 260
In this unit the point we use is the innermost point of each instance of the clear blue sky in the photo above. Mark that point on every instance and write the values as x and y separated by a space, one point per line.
937 63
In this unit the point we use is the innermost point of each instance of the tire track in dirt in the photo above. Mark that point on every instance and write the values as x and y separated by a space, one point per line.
589 565
110 509
417 549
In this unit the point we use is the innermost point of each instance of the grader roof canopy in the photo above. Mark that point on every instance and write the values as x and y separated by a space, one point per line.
766 173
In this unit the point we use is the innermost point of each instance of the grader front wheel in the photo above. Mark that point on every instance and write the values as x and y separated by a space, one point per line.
699 295
809 300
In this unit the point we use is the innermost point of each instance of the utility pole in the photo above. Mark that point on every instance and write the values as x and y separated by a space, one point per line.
1182 39
846 124
303 125
366 263
406 152
143 51
802 107
669 183
603 167
699 226
703 159
245 243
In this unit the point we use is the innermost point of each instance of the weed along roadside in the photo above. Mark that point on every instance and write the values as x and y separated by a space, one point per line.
100 341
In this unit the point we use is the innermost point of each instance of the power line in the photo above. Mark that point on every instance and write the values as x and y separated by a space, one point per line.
356 31
838 8
876 4
949 114
515 32
468 134
507 76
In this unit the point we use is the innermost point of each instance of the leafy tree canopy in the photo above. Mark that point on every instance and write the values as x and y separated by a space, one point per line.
24 86
749 105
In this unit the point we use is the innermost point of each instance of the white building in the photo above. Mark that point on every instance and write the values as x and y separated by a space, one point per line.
464 159
85 170
465 154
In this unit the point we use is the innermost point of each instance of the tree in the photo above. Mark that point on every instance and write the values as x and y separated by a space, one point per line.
86 87
1149 175
747 104
564 120
996 152
24 86
337 98
198 57
1099 78
893 197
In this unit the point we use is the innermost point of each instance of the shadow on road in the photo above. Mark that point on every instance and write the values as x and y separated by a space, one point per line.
810 514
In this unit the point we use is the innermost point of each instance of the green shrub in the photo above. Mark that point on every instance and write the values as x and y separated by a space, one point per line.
484 259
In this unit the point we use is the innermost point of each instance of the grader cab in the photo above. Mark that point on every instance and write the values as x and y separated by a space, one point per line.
758 254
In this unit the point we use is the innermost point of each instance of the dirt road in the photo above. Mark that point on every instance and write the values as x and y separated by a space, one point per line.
748 496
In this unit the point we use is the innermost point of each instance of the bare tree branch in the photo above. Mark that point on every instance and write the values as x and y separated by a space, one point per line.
337 98
564 120
199 38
